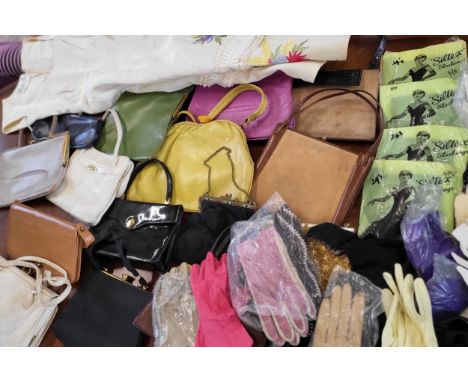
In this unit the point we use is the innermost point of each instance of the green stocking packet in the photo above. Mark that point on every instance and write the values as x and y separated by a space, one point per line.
430 143
435 61
390 187
419 103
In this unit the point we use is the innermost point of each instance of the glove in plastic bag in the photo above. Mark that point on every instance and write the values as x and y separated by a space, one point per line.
349 311
419 103
434 61
422 232
390 188
266 290
175 318
448 291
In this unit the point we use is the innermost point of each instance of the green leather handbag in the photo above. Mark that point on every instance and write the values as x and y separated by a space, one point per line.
145 119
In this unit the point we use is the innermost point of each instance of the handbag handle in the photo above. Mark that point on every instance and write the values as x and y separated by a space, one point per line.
104 235
55 281
231 96
118 126
140 166
221 241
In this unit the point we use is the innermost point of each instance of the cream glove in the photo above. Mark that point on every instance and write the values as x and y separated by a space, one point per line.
406 325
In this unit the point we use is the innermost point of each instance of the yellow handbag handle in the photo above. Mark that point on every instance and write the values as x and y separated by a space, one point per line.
187 113
231 96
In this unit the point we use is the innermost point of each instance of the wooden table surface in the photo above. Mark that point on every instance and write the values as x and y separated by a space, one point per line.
360 53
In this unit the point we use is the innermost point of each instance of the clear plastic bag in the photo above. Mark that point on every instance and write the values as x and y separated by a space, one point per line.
422 231
460 100
448 291
349 311
266 289
175 318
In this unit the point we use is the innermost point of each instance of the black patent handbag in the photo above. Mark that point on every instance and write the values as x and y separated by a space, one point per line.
84 129
139 232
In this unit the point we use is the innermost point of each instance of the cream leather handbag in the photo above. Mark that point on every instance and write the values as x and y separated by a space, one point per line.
27 306
93 180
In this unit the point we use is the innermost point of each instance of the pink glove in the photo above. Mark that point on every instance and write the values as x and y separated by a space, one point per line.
218 322
280 298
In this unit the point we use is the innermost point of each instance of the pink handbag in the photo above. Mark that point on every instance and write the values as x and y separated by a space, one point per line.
278 89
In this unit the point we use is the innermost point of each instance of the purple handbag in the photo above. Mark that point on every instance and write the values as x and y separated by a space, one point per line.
278 89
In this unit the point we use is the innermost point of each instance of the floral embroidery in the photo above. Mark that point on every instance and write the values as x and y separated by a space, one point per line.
290 51
201 39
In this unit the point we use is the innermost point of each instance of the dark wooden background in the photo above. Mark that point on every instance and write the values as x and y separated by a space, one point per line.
360 53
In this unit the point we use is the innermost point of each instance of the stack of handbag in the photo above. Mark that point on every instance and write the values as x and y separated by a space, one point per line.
133 173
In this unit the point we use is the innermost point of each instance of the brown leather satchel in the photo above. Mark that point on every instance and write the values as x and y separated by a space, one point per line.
34 233
340 118
318 180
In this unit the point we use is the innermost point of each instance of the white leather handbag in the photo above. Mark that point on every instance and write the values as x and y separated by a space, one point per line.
27 306
93 180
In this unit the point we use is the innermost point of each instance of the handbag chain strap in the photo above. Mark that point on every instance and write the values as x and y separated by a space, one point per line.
233 171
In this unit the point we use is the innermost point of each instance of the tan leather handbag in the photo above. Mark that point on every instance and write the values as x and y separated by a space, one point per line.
318 180
35 233
340 118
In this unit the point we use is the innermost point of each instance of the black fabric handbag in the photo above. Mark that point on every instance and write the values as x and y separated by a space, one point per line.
101 313
203 228
137 231
84 129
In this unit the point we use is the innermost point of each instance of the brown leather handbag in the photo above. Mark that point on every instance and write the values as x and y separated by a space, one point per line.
340 118
35 233
318 180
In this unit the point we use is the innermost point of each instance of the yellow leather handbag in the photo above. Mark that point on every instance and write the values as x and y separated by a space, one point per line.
205 157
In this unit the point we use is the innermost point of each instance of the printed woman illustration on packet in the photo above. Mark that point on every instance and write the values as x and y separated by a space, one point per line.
419 110
418 151
420 72
389 225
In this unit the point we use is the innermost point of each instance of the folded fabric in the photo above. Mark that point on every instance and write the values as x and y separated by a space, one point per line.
10 62
370 257
218 322
201 230
88 73
452 331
